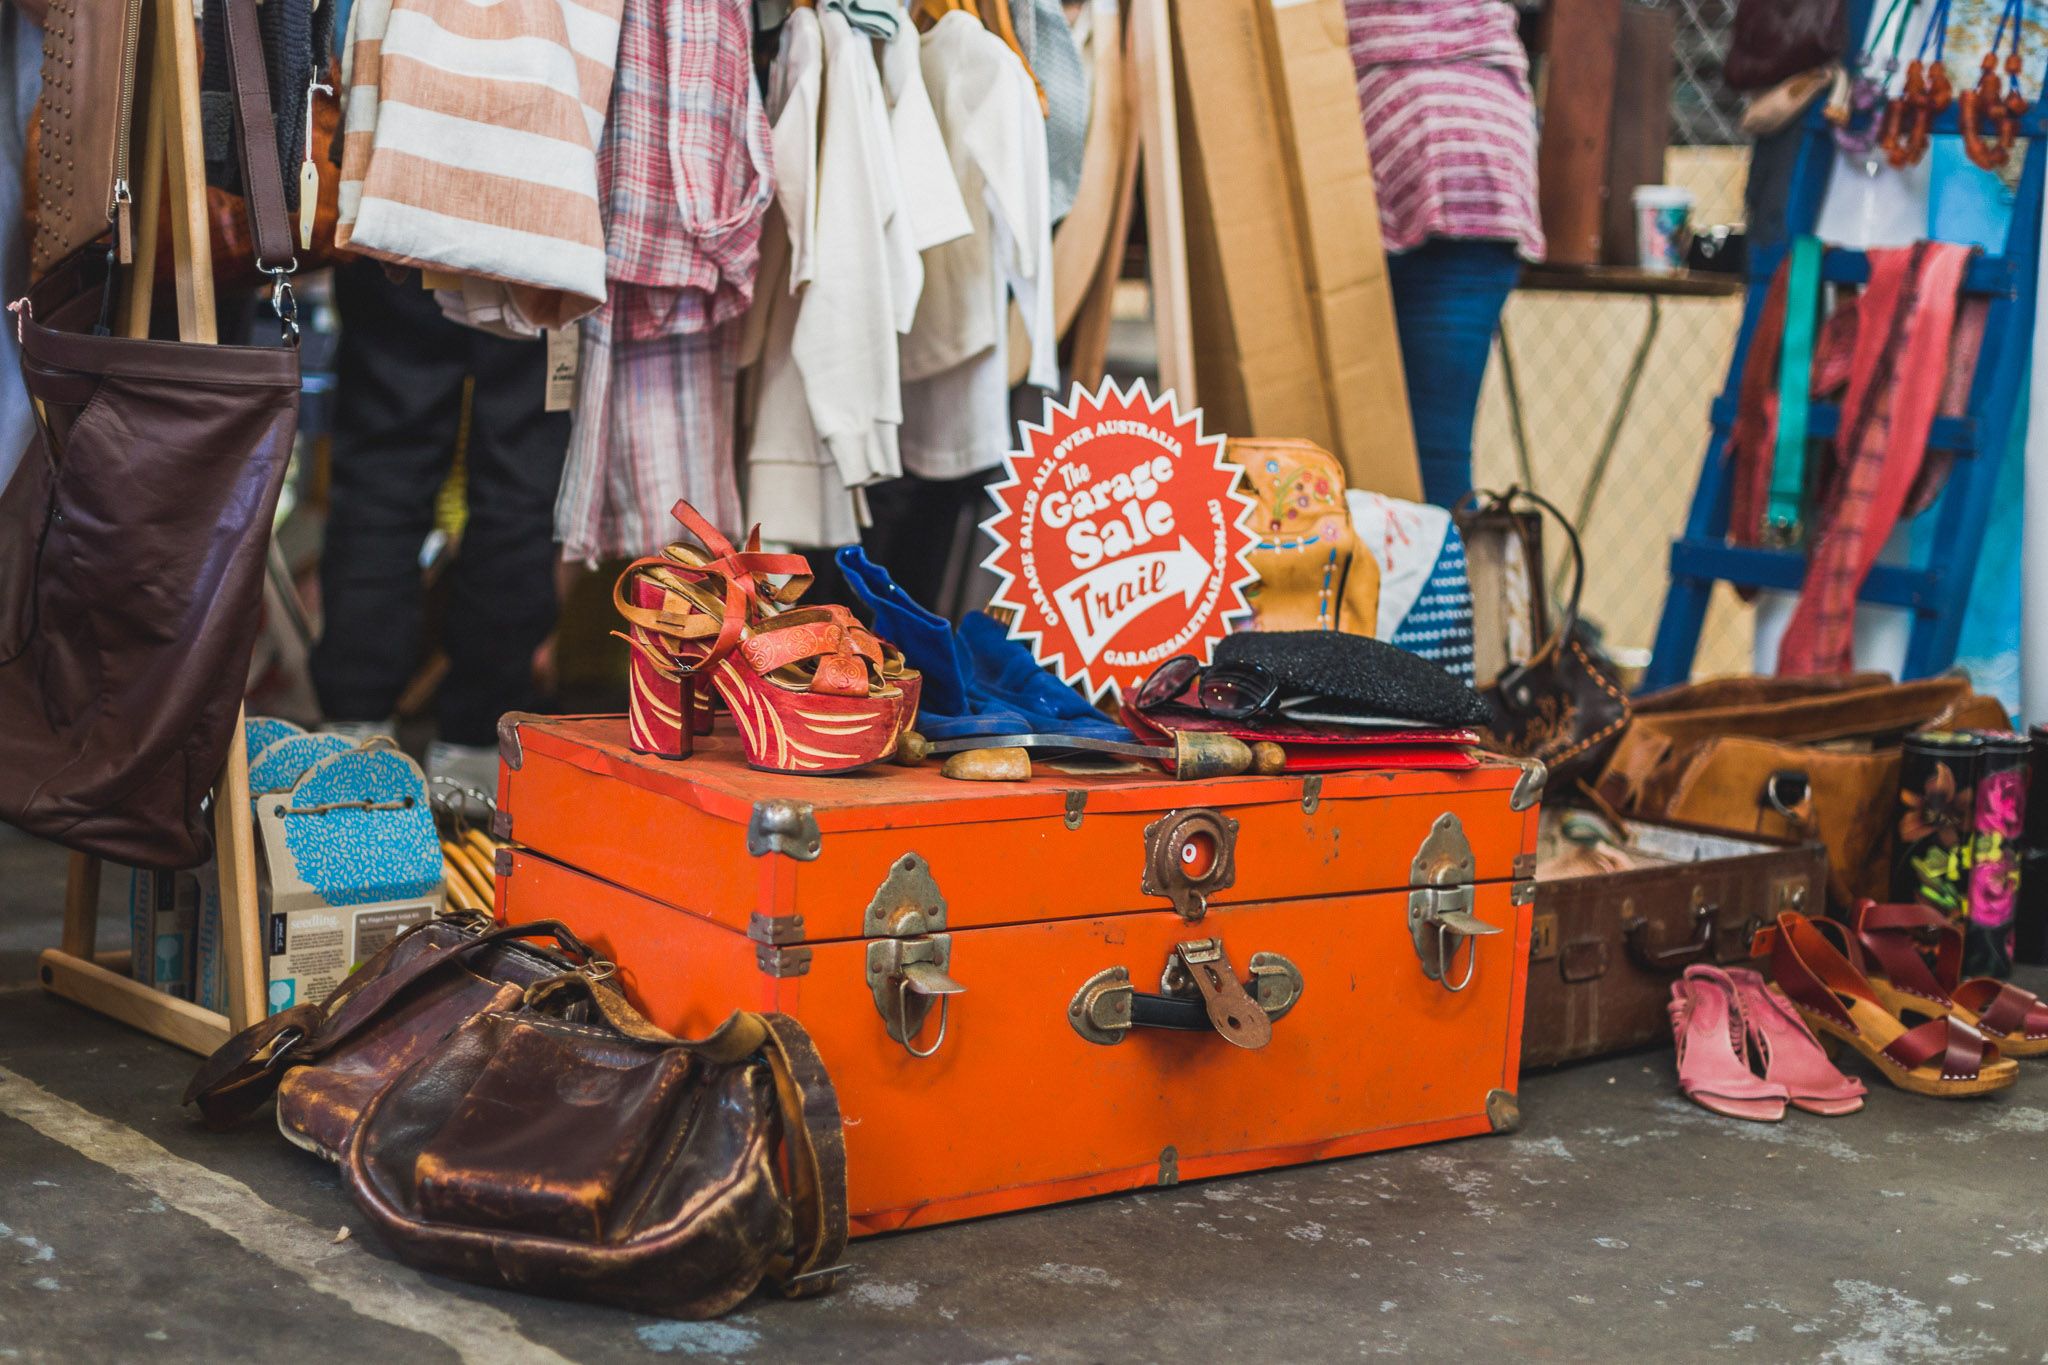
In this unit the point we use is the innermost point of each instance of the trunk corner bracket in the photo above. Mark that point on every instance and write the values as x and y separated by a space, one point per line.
1529 786
1503 1111
786 827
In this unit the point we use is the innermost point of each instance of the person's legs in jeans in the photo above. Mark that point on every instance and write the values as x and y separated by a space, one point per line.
1448 295
398 401
501 601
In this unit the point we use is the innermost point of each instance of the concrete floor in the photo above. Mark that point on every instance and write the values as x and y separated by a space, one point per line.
1621 1223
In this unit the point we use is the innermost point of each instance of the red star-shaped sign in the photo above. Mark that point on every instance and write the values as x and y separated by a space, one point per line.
1120 538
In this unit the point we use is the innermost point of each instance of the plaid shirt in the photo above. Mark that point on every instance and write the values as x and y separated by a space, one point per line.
684 168
684 175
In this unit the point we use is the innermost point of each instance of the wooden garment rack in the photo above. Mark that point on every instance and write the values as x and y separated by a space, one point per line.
167 134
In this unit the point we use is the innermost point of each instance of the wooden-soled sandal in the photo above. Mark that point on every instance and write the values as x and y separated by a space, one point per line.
1943 1057
1913 956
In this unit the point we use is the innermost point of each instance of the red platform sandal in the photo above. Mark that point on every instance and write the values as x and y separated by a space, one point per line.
805 693
1943 1057
771 585
1914 957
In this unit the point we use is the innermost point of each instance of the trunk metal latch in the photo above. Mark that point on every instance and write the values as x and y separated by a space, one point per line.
1198 993
909 954
1189 856
1440 917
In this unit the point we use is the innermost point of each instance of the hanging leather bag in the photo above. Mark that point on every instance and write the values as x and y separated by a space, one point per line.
133 536
1774 40
1564 704
503 1115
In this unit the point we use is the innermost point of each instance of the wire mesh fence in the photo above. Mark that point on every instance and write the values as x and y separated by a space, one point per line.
1614 399
1704 112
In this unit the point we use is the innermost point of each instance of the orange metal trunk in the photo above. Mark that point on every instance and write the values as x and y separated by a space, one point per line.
842 901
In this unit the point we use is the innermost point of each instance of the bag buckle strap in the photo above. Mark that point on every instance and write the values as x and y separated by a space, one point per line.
283 301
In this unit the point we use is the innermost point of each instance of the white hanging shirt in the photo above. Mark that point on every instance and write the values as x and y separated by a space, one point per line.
956 358
931 193
830 387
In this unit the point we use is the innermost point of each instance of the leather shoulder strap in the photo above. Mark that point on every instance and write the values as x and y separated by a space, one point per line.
262 178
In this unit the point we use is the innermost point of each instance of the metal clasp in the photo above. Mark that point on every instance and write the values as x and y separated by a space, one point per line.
283 301
1193 997
1440 914
906 975
1189 856
909 954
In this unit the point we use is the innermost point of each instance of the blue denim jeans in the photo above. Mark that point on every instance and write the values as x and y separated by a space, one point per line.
1448 294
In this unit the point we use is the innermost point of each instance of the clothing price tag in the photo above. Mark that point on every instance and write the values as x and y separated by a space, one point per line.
561 369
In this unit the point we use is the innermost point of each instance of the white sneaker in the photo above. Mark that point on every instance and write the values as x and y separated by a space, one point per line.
470 769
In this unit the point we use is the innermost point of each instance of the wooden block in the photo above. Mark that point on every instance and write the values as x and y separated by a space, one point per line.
82 906
178 1022
1641 125
1165 224
1583 40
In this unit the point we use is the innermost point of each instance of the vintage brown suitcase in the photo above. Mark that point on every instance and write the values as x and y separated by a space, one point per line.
1605 945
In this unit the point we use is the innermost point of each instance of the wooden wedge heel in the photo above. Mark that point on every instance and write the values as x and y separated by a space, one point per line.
1913 955
1943 1057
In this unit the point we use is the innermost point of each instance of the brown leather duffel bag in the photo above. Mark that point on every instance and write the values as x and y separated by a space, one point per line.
503 1115
1789 759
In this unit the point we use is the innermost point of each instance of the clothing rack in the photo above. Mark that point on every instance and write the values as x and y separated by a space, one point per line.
1937 591
172 163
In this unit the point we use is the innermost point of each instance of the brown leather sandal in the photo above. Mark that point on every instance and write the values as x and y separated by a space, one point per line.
1913 956
1944 1057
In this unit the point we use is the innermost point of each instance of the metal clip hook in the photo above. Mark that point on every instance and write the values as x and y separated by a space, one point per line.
903 1008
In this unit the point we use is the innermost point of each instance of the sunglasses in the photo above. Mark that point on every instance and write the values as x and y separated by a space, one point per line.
1229 691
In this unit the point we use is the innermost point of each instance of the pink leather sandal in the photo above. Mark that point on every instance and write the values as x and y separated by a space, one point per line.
1792 1056
1713 1066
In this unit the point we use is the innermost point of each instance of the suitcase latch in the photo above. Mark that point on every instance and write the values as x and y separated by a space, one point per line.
1198 993
1189 856
909 957
1440 918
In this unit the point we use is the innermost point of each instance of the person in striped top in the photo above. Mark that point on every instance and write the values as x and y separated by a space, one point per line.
1443 89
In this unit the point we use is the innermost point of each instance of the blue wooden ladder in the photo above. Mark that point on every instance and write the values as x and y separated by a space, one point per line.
1936 592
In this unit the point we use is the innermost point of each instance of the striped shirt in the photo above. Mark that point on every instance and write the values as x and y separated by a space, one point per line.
470 138
1443 87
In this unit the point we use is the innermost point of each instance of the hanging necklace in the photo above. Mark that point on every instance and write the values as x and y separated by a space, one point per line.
1853 106
1988 114
1909 123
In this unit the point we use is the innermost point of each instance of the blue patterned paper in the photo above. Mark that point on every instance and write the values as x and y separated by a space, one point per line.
279 767
355 857
260 732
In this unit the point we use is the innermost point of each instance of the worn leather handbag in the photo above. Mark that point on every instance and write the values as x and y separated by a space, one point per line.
78 148
501 1114
1563 704
1788 758
133 536
1773 40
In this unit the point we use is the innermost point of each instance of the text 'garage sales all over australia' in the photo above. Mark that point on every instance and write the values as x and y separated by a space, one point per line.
1120 538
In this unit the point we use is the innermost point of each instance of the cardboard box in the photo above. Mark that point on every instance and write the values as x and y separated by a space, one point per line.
1329 173
163 921
1259 369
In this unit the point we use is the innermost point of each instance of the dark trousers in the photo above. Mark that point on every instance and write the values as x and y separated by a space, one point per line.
1447 299
398 402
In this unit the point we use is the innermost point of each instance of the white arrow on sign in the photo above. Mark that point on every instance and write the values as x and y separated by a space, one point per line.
1104 600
